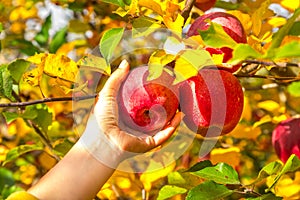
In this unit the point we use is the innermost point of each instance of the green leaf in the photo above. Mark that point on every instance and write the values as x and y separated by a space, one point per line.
17 68
169 191
63 147
221 173
6 83
269 196
20 150
10 116
208 190
294 89
117 2
1 27
143 26
25 47
215 36
94 63
110 41
176 178
282 32
58 39
43 36
78 26
242 52
6 178
291 49
43 118
200 165
295 29
268 170
291 165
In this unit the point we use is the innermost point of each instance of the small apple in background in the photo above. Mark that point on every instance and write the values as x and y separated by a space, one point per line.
147 106
231 25
205 5
212 99
286 138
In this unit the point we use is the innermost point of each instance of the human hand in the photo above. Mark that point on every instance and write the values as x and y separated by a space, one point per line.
119 142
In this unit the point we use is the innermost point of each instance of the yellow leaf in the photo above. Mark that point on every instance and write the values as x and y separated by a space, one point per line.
148 178
176 25
3 152
60 66
17 27
33 77
263 120
286 187
68 90
230 156
257 17
269 105
247 111
151 4
172 19
132 9
277 21
245 131
189 62
244 18
37 58
46 161
66 48
291 5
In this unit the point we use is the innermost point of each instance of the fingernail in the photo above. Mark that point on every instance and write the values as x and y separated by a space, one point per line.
123 64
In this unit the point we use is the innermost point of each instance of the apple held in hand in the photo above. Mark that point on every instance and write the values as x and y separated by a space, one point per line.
231 25
147 106
286 138
205 5
212 99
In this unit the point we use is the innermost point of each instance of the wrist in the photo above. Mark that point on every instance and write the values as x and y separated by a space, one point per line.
99 146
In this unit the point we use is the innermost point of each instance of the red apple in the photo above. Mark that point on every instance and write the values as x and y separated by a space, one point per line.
147 106
231 25
205 5
286 138
212 99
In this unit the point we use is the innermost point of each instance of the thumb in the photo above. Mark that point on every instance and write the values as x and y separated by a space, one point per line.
114 82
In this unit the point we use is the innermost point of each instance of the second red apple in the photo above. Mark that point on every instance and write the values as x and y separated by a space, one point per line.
212 99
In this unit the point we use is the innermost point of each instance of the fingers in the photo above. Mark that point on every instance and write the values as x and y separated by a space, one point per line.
166 133
117 77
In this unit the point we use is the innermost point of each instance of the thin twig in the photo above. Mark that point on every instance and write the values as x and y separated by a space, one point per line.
285 64
45 100
44 138
187 9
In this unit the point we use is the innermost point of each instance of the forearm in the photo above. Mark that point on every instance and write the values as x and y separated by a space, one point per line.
78 176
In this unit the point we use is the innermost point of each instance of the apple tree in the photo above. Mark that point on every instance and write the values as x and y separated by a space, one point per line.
52 70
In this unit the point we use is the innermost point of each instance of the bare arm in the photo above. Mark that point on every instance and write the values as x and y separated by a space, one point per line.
86 167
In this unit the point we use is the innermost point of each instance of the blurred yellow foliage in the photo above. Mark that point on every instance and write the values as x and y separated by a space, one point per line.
287 187
28 173
229 155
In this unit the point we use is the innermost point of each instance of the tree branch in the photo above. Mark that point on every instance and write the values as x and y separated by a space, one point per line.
285 64
45 100
187 9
